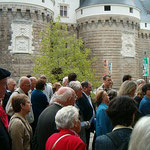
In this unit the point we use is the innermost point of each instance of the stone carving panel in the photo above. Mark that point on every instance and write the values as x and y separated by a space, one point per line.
128 44
21 38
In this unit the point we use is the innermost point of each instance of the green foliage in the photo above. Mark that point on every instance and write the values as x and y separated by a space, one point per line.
61 54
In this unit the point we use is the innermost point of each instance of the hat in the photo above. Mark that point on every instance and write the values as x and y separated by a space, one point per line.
4 73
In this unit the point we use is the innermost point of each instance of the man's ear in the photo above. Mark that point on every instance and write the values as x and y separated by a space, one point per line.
21 105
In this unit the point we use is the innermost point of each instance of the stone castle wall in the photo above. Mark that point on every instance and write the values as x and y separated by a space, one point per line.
113 39
20 28
117 39
143 47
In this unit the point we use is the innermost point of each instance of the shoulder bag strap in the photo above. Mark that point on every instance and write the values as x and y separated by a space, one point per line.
24 124
59 140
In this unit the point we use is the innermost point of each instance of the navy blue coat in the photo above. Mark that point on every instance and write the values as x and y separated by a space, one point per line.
105 143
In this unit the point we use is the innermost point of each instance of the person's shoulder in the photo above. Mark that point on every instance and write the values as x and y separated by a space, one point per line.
102 138
102 107
102 142
145 101
16 123
51 110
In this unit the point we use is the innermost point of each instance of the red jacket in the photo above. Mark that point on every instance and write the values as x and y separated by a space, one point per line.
3 117
70 142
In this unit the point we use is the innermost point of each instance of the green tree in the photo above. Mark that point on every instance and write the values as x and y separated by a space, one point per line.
62 53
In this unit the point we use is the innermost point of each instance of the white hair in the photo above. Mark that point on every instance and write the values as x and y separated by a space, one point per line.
66 116
64 79
140 135
10 80
68 93
75 85
139 81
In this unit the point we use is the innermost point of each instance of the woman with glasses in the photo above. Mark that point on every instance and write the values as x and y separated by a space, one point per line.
19 128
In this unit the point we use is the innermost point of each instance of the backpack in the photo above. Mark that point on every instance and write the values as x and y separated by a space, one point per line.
119 144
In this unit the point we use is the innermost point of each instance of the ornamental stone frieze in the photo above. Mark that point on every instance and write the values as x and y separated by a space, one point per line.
21 37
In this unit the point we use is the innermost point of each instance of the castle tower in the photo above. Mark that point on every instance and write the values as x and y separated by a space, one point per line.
21 22
110 29
144 32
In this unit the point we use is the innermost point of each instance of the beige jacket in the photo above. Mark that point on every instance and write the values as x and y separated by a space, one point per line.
20 132
9 109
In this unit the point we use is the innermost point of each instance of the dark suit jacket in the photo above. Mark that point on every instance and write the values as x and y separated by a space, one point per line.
86 110
6 98
5 141
45 127
85 107
105 143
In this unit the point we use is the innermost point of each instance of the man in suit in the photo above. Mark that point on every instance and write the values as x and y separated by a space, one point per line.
24 88
46 123
86 108
5 142
11 87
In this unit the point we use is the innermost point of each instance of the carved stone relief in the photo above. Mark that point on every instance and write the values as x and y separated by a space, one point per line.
21 38
128 44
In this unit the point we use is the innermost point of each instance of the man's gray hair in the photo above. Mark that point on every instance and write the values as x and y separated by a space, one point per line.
140 135
22 80
75 85
68 93
9 80
64 79
66 116
139 81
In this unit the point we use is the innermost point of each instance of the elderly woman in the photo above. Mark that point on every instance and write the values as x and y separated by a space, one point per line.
103 124
19 128
121 112
128 88
140 135
68 123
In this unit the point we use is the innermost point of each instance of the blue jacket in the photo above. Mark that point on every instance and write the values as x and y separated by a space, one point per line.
103 124
39 103
105 143
144 106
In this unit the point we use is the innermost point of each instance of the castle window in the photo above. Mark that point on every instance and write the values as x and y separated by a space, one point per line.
43 1
145 25
63 11
81 11
107 8
131 10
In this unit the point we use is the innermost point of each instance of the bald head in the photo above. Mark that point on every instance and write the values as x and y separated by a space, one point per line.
11 84
25 84
65 96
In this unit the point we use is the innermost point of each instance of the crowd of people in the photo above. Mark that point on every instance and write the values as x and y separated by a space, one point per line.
36 115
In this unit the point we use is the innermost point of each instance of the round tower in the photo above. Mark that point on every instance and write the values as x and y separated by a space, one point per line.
110 29
144 32
21 22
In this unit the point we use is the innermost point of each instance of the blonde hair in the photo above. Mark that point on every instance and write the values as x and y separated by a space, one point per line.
99 97
127 87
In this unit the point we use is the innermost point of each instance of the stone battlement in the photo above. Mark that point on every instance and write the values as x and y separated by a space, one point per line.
32 12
